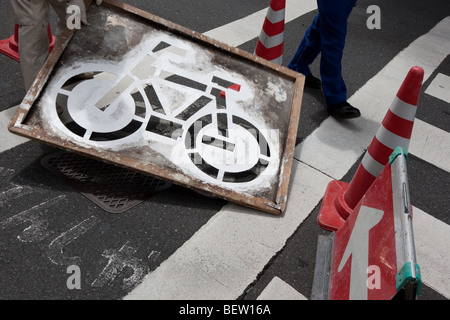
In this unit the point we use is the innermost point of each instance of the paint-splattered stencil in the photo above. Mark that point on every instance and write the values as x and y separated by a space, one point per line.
149 95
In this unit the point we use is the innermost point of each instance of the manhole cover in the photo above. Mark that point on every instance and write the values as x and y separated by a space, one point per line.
112 188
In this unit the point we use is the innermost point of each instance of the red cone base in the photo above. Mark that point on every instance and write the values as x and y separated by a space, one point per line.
333 211
10 46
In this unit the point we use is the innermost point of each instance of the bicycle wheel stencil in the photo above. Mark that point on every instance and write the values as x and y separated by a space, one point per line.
150 95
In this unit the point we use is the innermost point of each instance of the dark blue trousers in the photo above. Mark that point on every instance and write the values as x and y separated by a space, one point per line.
326 35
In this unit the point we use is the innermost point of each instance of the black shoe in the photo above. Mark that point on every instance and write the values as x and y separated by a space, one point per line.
344 111
312 82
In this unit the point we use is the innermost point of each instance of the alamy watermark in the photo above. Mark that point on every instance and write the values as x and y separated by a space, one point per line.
73 21
374 20
74 280
374 277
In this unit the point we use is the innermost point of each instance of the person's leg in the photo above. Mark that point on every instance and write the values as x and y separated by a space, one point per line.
32 18
308 49
333 31
60 10
33 51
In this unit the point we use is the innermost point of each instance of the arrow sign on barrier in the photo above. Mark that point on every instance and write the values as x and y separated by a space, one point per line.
357 249
372 256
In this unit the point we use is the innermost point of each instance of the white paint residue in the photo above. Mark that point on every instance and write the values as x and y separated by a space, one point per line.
274 90
55 250
37 219
124 258
113 20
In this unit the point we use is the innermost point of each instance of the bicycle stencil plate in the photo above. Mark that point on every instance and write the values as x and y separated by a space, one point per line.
147 94
149 98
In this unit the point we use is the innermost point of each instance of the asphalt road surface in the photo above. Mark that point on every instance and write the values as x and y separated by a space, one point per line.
179 244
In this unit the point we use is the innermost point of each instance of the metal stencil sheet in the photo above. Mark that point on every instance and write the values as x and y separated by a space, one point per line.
143 93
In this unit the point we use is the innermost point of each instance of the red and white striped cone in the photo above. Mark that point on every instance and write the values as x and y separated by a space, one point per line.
271 39
10 46
395 131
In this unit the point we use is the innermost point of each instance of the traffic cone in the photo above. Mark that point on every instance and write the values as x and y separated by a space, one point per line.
395 131
271 39
10 46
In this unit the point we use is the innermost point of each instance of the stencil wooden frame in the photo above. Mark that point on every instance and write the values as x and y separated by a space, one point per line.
27 121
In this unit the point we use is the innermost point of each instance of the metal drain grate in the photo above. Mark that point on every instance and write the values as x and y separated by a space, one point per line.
112 188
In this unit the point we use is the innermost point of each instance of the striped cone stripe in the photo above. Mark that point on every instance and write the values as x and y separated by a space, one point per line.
341 198
395 131
270 43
